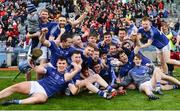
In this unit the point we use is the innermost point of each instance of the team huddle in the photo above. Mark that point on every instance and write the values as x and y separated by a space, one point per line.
104 64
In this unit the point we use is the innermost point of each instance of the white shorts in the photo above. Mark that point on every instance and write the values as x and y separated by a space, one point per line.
50 65
36 88
164 49
146 84
46 53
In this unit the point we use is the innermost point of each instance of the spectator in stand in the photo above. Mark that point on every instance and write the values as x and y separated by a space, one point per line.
174 40
33 21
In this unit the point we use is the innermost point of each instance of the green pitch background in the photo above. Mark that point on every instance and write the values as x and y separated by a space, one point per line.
85 101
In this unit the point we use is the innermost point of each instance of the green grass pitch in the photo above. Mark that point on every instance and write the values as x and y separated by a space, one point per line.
134 100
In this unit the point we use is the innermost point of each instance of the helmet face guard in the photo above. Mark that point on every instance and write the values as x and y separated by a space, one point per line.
24 66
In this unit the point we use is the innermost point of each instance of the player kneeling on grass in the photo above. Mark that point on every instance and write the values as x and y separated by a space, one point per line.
140 75
41 90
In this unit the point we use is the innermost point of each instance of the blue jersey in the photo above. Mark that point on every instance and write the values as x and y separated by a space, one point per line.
158 38
51 29
53 82
130 30
86 60
130 64
56 30
138 75
76 77
106 47
68 28
56 52
48 25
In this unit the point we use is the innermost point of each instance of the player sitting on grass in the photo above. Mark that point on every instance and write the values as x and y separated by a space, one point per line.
89 77
140 75
54 81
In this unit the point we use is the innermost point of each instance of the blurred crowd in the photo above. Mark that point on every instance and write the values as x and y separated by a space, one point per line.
110 14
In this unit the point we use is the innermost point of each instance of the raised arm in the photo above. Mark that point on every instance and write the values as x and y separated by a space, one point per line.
137 43
42 38
57 41
33 35
81 18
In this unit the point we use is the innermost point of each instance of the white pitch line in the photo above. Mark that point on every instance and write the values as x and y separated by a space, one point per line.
9 77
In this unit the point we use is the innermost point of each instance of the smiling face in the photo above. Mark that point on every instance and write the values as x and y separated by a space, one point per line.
62 22
96 55
89 51
107 39
67 43
92 39
123 58
165 28
146 25
112 49
97 68
76 57
137 61
122 34
77 40
61 65
44 15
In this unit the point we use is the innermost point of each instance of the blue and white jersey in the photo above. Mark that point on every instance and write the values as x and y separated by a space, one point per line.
130 64
138 75
68 27
106 47
132 29
53 82
158 38
51 29
56 52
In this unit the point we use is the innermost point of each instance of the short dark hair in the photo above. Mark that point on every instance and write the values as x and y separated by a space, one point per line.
106 33
95 63
125 42
84 67
112 44
75 52
62 58
63 16
133 19
91 45
65 36
138 56
96 49
122 29
93 34
121 52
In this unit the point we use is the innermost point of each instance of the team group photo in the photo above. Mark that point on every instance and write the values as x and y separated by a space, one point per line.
89 55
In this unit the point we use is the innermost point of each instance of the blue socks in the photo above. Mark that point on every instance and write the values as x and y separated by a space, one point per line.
110 89
102 94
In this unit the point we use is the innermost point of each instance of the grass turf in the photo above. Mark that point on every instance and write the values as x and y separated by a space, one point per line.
84 101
